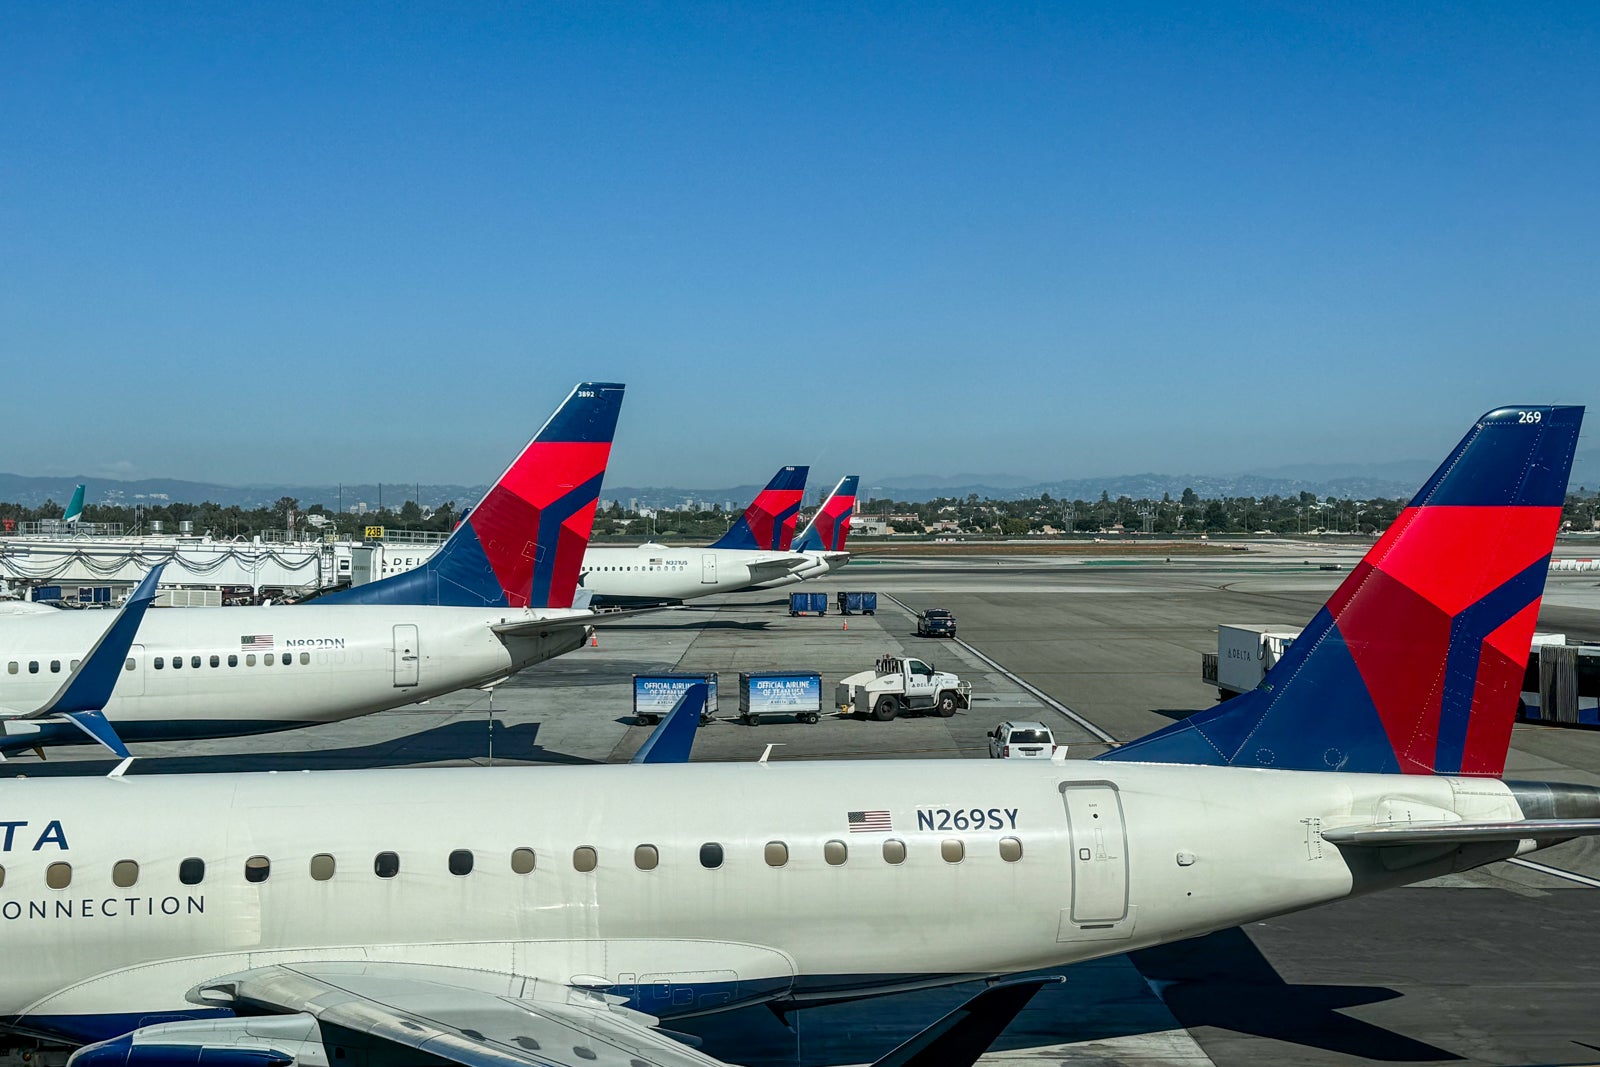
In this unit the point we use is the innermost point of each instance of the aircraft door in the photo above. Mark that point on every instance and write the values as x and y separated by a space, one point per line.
407 655
708 568
1099 842
131 683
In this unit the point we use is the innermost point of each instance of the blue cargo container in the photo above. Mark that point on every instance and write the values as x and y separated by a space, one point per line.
858 603
804 603
797 693
655 694
43 593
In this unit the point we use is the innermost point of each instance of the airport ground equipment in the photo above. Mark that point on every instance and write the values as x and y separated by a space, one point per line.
766 693
1562 684
1022 740
936 622
654 695
808 604
896 684
858 603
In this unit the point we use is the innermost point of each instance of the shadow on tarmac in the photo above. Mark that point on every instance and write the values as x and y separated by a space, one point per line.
453 742
1223 980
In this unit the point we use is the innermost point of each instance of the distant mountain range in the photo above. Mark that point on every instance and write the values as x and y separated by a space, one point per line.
1357 481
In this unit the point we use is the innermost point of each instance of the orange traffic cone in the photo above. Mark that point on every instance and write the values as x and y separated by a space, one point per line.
847 626
594 640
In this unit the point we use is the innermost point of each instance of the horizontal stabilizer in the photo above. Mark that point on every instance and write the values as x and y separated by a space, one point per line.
95 725
1447 833
958 1039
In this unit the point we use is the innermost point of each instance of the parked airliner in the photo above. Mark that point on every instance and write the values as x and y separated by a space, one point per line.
754 551
496 597
517 917
822 541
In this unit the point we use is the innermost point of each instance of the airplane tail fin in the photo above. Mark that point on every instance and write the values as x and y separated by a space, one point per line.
523 544
768 524
1415 663
672 741
74 510
828 528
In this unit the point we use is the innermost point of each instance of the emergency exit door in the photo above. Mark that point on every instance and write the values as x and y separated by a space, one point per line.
407 655
1099 854
708 568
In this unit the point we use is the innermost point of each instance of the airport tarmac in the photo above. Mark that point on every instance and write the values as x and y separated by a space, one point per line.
1498 966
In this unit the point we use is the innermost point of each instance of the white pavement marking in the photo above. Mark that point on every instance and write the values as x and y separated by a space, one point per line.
1557 872
1038 694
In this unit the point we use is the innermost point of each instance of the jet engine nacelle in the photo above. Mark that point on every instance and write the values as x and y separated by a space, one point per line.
263 1041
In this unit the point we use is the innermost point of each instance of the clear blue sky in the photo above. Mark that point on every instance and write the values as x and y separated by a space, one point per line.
312 243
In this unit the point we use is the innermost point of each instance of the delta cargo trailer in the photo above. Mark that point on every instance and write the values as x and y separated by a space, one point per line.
656 694
858 603
797 693
808 603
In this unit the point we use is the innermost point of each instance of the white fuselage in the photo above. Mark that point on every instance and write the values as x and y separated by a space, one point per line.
952 869
654 573
207 672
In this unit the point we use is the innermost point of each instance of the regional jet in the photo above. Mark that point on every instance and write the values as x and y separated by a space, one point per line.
497 597
560 916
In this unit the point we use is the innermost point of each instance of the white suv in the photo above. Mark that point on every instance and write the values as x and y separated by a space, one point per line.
1022 740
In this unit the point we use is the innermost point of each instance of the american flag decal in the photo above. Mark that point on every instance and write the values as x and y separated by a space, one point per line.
866 822
256 642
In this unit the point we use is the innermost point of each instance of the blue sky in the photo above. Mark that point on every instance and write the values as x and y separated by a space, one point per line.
247 243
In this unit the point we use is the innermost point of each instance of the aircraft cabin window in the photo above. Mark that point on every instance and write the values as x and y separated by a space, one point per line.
256 869
250 660
835 852
321 867
177 663
585 858
385 864
11 668
216 661
233 661
711 855
33 666
55 666
952 850
646 857
192 871
128 666
194 661
522 861
124 873
161 661
74 664
305 658
2 876
58 875
288 658
1010 849
894 851
461 861
776 853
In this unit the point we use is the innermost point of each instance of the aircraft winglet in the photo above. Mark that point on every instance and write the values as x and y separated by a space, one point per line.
82 698
671 741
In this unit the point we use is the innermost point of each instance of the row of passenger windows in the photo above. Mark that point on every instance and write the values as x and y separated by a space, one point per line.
585 858
177 662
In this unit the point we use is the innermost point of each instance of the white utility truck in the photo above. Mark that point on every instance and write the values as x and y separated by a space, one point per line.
898 684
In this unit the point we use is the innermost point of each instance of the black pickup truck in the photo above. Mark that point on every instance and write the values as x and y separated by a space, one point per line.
936 622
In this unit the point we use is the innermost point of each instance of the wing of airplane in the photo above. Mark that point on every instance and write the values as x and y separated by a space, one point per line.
767 568
481 1019
88 688
1451 833
546 623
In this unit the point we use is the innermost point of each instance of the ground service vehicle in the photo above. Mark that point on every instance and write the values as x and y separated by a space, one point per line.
936 622
895 685
1021 740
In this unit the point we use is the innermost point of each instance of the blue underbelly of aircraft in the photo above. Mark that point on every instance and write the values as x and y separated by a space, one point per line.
61 733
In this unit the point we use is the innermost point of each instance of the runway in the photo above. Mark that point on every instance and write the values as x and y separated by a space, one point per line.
1498 966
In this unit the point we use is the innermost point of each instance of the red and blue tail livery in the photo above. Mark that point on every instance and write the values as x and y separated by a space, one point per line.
523 545
768 524
828 528
1415 663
